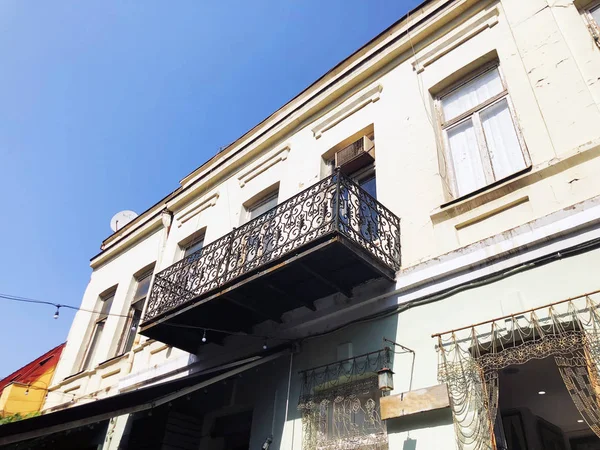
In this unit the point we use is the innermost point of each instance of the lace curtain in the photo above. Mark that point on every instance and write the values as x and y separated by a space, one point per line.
340 405
470 359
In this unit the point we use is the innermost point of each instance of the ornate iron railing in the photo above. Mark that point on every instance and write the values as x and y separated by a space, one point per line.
334 204
339 403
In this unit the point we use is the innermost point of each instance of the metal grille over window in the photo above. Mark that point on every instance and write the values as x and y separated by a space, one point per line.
339 403
471 358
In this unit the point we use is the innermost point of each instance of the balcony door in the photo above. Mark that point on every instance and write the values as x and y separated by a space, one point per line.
358 212
257 238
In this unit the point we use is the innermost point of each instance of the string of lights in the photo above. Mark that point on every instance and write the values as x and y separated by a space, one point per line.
204 330
30 387
58 306
231 333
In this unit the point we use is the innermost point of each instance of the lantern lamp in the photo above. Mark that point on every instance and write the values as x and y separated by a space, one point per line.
386 379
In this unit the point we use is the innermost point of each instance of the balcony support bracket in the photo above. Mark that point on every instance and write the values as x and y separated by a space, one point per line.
326 281
250 306
309 304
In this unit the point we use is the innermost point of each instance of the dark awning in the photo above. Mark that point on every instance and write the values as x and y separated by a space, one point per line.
128 402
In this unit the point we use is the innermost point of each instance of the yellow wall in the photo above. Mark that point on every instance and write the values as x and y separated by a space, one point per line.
15 400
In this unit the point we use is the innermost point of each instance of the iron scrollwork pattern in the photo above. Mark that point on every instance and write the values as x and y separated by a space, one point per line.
340 405
333 205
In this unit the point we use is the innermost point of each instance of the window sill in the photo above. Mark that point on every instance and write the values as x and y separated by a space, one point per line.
485 190
78 375
112 360
526 177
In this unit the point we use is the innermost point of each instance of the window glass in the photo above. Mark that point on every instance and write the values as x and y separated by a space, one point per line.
263 206
471 94
194 246
596 14
143 285
134 323
93 348
369 185
466 158
106 304
480 133
502 141
135 312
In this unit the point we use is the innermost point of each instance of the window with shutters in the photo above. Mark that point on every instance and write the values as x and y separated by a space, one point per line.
480 135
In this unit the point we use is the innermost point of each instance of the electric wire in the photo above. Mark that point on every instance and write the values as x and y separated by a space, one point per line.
16 298
571 251
60 305
425 300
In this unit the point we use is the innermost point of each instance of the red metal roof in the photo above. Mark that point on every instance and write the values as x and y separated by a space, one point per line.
32 371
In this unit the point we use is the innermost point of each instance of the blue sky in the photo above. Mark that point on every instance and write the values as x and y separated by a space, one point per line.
106 105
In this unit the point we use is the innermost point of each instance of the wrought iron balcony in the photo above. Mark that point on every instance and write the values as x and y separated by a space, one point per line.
328 238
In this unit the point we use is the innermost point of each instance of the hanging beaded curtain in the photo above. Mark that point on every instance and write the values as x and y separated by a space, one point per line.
340 405
470 358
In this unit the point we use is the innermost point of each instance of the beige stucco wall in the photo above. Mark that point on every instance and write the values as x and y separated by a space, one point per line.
551 68
103 377
560 280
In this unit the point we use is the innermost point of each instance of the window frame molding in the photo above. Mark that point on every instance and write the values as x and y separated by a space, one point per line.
99 317
592 25
189 241
146 272
258 200
473 114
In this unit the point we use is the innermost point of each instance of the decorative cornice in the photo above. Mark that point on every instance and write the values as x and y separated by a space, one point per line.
197 207
456 37
262 164
346 109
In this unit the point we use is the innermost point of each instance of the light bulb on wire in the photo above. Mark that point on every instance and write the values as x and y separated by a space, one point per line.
56 314
265 346
204 336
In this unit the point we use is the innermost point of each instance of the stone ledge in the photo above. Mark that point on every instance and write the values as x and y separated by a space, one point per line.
415 402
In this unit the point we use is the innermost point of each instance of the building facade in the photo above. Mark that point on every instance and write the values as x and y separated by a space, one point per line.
23 392
431 206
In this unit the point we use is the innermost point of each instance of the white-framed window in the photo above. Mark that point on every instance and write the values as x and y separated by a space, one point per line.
481 138
592 14
258 239
192 244
261 206
102 309
134 315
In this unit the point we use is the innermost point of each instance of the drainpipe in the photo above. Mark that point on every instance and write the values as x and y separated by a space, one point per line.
287 401
167 220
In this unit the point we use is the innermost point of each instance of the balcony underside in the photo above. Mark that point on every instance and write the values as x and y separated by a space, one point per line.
322 267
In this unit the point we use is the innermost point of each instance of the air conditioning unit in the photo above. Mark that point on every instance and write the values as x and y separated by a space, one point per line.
356 155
